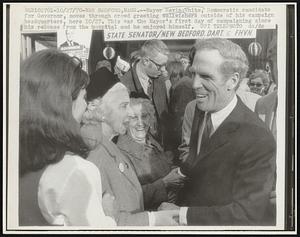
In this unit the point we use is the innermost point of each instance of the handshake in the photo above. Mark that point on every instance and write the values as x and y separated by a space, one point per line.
167 214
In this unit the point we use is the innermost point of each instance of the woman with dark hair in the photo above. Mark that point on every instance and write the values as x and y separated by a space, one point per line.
56 186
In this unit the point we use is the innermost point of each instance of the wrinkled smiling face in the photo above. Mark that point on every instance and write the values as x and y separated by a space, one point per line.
139 122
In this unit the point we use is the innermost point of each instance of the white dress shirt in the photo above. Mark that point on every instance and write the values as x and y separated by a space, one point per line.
217 119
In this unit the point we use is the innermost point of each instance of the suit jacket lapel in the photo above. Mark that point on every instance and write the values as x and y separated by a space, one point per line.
223 134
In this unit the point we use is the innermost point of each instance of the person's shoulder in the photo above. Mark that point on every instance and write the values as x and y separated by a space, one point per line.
252 125
102 154
64 44
127 80
246 115
127 76
79 164
252 95
69 168
267 100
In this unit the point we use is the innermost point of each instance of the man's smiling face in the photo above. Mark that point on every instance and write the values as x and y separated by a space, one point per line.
210 85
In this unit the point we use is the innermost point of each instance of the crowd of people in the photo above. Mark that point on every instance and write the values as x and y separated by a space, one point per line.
182 140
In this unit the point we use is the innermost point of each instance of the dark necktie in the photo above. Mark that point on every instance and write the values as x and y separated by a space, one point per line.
205 132
150 89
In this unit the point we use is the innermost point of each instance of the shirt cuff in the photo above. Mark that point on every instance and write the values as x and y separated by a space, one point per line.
179 172
151 218
182 215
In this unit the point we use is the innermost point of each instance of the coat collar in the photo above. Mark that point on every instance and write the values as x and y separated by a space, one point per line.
136 82
120 160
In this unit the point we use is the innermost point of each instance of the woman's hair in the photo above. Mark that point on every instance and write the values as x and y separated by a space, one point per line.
175 70
148 106
49 82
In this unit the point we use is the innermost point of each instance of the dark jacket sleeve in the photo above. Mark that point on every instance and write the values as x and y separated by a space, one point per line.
154 194
186 131
251 190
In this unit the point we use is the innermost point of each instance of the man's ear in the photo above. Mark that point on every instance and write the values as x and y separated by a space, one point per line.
233 81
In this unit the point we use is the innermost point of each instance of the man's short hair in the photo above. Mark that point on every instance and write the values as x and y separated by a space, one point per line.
235 58
153 47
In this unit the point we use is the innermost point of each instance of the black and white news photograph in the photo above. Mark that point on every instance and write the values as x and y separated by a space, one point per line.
149 118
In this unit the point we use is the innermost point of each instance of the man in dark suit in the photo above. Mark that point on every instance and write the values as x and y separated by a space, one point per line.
145 77
227 153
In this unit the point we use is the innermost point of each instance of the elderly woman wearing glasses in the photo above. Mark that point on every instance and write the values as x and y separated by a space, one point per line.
156 173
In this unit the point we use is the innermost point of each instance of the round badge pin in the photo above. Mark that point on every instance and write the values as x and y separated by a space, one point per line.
121 167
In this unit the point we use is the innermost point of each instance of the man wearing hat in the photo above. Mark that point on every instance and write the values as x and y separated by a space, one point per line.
105 118
145 76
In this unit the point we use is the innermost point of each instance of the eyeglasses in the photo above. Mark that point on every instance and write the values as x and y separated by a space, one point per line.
159 67
255 84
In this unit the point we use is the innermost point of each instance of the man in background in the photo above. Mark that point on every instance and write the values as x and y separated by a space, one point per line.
144 79
69 40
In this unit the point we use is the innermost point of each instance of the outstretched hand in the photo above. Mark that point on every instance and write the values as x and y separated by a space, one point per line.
168 206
